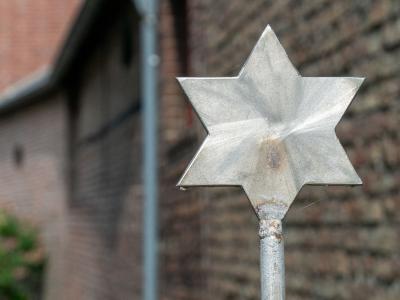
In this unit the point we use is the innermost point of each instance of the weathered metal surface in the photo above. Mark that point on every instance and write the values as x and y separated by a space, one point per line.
270 130
272 262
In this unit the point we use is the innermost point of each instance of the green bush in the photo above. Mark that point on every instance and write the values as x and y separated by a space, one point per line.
21 260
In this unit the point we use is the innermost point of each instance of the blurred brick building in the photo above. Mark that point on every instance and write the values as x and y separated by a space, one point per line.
31 32
71 156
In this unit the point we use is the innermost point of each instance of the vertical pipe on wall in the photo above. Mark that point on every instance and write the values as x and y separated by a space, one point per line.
149 95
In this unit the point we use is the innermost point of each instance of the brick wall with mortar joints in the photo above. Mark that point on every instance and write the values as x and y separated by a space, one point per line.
32 183
346 244
181 275
105 209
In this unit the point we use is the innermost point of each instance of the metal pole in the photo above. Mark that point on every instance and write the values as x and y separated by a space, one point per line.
272 261
149 86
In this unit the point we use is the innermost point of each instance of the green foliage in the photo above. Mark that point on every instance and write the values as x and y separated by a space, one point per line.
21 260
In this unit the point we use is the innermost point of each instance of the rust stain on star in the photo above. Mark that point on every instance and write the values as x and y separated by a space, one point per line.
275 153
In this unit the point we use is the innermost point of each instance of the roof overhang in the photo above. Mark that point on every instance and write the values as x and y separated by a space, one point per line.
36 86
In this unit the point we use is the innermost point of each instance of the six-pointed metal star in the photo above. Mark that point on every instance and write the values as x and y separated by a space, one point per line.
270 130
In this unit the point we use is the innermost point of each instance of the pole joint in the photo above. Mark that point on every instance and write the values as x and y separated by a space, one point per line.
271 228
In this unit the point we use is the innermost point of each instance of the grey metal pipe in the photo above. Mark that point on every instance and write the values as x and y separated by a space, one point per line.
272 261
149 90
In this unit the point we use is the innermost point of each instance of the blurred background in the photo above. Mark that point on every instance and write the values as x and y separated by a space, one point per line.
73 106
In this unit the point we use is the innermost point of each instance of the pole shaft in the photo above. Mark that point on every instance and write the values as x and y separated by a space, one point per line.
272 260
149 86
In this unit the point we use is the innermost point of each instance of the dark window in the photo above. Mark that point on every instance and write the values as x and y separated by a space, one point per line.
18 155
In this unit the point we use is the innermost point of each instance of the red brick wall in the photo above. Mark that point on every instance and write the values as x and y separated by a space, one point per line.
33 185
181 274
104 253
346 244
31 32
